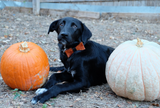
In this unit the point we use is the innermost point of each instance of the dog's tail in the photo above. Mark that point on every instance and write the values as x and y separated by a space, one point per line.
57 68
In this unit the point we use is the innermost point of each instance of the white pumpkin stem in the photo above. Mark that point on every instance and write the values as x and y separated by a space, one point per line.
24 47
139 43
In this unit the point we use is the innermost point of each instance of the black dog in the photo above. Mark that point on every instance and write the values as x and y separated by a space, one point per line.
84 61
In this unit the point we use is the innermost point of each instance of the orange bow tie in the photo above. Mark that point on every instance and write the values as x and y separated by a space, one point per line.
70 51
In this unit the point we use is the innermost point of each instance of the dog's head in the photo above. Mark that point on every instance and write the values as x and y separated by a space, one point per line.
70 31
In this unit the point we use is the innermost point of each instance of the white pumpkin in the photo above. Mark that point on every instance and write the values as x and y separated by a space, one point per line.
133 70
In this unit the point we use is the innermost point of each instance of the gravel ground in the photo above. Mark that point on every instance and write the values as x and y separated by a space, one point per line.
17 27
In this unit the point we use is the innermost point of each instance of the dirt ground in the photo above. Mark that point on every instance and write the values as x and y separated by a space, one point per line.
17 27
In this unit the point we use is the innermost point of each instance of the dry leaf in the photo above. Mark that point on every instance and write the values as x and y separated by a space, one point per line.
5 36
23 95
10 35
107 94
134 107
58 71
48 104
96 92
111 37
129 102
70 105
101 98
155 104
26 33
150 107
120 106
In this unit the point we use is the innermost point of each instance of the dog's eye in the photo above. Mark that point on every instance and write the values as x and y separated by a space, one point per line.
61 24
74 26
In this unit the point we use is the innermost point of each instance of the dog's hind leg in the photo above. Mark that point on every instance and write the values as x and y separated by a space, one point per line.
61 68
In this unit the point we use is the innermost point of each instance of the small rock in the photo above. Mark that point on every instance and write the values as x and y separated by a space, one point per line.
10 35
6 41
6 27
18 19
111 37
78 99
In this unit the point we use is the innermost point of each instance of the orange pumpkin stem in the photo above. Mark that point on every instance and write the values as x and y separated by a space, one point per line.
139 43
24 47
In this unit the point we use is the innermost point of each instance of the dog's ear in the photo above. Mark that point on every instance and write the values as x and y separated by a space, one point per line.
86 34
53 26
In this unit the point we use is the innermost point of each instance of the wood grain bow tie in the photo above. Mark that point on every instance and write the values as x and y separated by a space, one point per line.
70 51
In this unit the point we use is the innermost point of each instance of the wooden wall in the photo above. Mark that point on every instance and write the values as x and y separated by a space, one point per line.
96 15
104 2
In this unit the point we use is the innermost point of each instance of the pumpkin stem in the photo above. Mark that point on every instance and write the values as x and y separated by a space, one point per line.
139 43
24 47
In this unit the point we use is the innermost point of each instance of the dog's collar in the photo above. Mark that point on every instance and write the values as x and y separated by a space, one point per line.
70 51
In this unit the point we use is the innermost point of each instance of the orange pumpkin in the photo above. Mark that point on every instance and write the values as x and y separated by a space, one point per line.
24 66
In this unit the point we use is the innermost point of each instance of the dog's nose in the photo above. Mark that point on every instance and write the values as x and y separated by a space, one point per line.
63 34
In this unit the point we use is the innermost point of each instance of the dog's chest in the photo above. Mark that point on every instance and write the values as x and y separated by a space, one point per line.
67 63
72 72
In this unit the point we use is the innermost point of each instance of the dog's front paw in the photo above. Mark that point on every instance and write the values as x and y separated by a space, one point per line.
40 98
34 100
40 91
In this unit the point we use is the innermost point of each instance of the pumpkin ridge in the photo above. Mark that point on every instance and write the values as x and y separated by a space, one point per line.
110 67
153 51
34 59
128 71
27 64
9 54
130 53
19 68
142 77
15 56
156 73
113 60
153 65
118 68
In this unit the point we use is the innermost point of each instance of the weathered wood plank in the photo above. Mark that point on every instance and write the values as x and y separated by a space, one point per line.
80 14
100 8
142 16
109 2
65 1
152 17
36 6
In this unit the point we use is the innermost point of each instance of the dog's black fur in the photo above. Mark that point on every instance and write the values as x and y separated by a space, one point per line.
83 68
